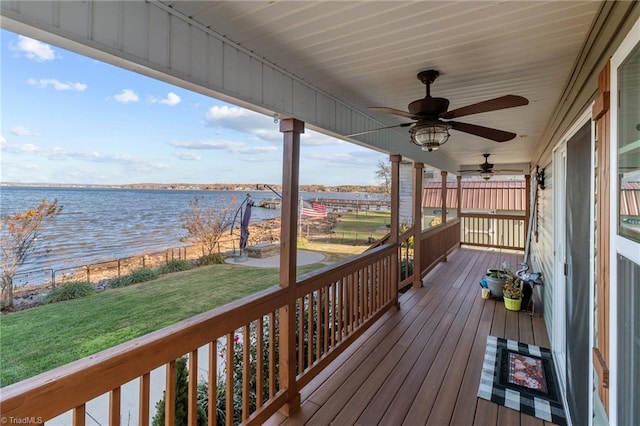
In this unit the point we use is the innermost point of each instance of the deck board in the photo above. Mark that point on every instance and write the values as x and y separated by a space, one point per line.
421 364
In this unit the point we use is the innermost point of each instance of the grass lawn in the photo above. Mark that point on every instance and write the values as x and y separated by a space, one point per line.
45 337
357 228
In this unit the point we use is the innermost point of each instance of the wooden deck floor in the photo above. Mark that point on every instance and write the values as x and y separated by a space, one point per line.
421 364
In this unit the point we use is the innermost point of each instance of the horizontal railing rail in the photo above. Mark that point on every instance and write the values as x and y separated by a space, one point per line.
493 230
333 306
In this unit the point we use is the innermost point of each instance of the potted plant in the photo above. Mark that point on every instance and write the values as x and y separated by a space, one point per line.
512 292
495 280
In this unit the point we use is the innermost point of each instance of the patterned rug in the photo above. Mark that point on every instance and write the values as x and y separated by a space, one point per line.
521 377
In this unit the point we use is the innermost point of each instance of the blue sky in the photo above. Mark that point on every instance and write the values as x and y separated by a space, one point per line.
67 118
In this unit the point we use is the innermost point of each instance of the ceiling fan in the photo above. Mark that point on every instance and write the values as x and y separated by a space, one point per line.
486 169
429 130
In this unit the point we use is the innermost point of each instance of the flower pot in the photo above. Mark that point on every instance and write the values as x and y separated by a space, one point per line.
512 304
495 285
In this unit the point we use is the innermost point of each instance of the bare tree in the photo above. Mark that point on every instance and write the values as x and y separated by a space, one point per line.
18 240
206 225
383 174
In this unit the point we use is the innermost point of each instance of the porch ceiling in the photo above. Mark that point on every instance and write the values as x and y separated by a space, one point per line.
368 54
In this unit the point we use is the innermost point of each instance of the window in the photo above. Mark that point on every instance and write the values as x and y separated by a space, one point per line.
629 146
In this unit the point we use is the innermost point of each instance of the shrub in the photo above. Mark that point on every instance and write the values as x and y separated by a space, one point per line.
211 259
136 276
181 400
69 291
175 265
406 268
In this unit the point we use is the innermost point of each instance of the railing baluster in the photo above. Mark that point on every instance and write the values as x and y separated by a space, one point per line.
309 339
192 412
259 362
326 323
340 309
79 415
349 281
143 403
300 319
272 354
114 407
318 324
334 310
212 410
246 368
229 379
170 395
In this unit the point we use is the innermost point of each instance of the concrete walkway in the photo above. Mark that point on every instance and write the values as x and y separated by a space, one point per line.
304 257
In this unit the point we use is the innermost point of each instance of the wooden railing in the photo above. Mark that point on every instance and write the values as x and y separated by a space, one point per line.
437 242
492 230
334 306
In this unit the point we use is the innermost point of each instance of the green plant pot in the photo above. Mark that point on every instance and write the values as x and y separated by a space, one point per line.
512 304
495 285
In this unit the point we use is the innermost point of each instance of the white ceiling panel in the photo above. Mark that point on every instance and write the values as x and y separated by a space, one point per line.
367 53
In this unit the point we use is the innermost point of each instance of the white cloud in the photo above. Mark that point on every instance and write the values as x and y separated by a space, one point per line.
126 96
3 141
61 154
189 156
318 139
22 131
239 119
172 100
20 148
34 49
57 85
231 147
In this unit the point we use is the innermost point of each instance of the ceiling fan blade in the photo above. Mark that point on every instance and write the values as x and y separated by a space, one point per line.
379 128
484 132
508 170
469 171
507 101
386 110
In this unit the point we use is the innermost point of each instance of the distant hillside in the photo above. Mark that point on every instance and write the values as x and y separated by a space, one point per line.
372 189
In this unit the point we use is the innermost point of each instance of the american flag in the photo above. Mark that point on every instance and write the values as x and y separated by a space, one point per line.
317 211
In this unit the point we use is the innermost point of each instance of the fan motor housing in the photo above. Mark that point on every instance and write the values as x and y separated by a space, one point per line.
429 107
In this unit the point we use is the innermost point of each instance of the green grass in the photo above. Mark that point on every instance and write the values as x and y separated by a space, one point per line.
45 337
355 228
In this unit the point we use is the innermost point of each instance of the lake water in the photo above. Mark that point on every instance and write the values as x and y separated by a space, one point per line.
102 224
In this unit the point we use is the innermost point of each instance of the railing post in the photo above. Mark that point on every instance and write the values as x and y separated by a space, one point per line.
527 204
459 205
459 210
443 213
417 224
291 129
395 225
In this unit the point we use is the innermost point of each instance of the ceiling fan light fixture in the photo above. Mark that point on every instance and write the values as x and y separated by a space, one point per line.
486 175
430 135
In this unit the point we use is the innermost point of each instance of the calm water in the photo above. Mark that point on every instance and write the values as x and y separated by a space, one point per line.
100 224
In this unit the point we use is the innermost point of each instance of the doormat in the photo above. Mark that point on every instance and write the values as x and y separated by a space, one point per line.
521 377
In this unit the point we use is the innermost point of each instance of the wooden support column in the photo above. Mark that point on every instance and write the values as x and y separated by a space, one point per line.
443 214
291 129
395 225
459 205
601 114
417 224
527 204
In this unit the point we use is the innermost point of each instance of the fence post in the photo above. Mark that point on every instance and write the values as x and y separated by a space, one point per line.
88 273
